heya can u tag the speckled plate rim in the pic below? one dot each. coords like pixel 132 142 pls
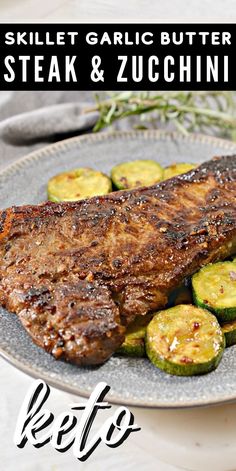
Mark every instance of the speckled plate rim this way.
pixel 116 135
pixel 112 399
pixel 61 146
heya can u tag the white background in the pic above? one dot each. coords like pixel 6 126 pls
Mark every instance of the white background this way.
pixel 113 10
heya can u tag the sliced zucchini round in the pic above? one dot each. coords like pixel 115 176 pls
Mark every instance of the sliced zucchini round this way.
pixel 177 169
pixel 134 344
pixel 135 174
pixel 185 340
pixel 214 288
pixel 229 331
pixel 132 347
pixel 78 184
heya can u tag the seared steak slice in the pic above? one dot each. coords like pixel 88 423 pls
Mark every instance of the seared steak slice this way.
pixel 77 273
pixel 76 320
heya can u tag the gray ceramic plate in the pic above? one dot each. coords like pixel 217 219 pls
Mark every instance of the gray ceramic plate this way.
pixel 132 381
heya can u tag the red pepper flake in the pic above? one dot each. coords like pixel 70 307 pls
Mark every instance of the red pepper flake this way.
pixel 124 181
pixel 186 360
pixel 196 325
pixel 232 275
pixel 221 290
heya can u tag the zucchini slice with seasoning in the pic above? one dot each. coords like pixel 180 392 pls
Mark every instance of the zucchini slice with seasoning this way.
pixel 177 169
pixel 214 288
pixel 229 331
pixel 78 184
pixel 185 340
pixel 136 173
pixel 134 344
pixel 132 347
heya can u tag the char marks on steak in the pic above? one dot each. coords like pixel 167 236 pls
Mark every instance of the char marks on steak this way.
pixel 77 273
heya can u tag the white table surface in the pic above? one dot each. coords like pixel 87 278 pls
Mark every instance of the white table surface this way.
pixel 195 439
pixel 169 440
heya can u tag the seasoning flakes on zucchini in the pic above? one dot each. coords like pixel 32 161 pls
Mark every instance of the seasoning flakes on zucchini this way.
pixel 214 288
pixel 185 340
pixel 136 174
pixel 177 169
pixel 78 184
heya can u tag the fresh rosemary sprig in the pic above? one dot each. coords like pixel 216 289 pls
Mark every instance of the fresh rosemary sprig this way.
pixel 188 111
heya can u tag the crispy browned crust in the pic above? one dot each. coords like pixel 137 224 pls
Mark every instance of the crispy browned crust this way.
pixel 77 272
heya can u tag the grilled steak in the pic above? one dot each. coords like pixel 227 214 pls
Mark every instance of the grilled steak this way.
pixel 77 273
